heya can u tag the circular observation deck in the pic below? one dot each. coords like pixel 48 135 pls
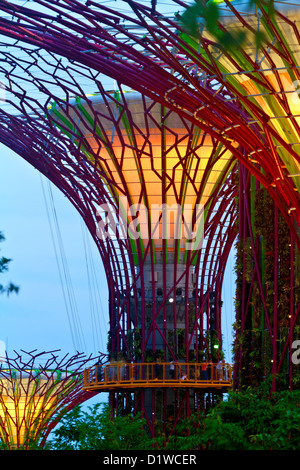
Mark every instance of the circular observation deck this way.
pixel 117 375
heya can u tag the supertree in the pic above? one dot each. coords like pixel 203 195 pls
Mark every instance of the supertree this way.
pixel 267 291
pixel 61 51
pixel 165 291
pixel 37 390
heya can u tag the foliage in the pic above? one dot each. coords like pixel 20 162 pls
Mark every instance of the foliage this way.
pixel 4 262
pixel 96 430
pixel 208 12
pixel 246 420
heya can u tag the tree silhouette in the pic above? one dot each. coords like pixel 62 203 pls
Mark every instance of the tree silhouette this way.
pixel 4 262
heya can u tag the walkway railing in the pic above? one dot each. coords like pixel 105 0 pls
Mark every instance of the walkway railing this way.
pixel 158 374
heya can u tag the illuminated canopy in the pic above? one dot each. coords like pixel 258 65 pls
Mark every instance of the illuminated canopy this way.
pixel 150 158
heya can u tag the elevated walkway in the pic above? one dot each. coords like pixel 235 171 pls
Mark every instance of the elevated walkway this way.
pixel 117 375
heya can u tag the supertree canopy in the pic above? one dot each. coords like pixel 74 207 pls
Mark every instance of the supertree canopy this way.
pixel 37 390
pixel 199 78
pixel 199 101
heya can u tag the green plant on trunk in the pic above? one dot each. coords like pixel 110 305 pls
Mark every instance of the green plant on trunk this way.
pixel 4 262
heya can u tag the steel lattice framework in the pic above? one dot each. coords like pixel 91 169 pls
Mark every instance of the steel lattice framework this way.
pixel 97 147
pixel 245 105
pixel 224 106
pixel 37 390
